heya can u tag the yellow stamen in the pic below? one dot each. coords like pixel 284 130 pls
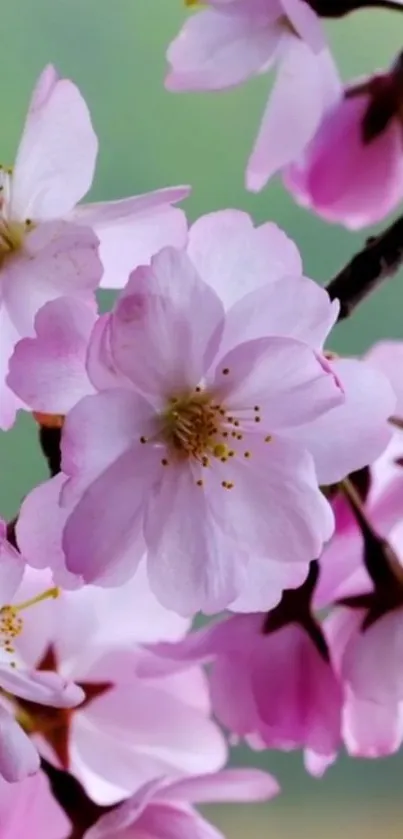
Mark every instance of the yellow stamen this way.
pixel 49 593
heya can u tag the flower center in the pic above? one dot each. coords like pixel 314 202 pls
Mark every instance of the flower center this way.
pixel 11 622
pixel 12 233
pixel 195 426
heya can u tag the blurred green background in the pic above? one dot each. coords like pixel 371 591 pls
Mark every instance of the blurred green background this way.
pixel 114 50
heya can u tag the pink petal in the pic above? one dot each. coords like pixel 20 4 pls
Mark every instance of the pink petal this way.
pixel 100 429
pixel 272 310
pixel 132 230
pixel 228 785
pixel 107 549
pixel 264 583
pixel 60 259
pixel 31 802
pixel 306 85
pixel 306 22
pixel 192 565
pixel 215 50
pixel 9 402
pixel 57 152
pixel 18 755
pixel 45 688
pixel 289 382
pixel 157 314
pixel 235 258
pixel 275 508
pixel 353 434
pixel 40 527
pixel 11 567
pixel 332 178
pixel 387 356
pixel 48 371
pixel 370 663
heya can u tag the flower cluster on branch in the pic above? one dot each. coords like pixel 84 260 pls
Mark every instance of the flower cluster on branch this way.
pixel 207 453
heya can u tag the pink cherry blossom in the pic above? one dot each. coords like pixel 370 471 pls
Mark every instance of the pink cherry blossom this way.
pixel 228 42
pixel 30 802
pixel 54 169
pixel 195 436
pixel 360 134
pixel 18 756
pixel 164 809
pixel 274 687
pixel 47 246
pixel 130 728
pixel 256 272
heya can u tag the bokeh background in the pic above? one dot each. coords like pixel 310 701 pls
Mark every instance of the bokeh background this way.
pixel 114 50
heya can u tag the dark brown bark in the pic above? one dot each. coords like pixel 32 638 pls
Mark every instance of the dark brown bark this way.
pixel 379 260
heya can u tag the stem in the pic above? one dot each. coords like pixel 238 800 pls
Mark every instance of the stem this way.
pixel 339 8
pixel 380 259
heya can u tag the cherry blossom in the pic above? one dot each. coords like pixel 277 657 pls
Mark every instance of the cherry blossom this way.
pixel 164 809
pixel 232 40
pixel 118 738
pixel 18 756
pixel 360 133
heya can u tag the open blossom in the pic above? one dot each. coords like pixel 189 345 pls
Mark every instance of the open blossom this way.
pixel 48 246
pixel 352 170
pixel 130 728
pixel 30 802
pixel 18 756
pixel 232 40
pixel 203 402
pixel 165 809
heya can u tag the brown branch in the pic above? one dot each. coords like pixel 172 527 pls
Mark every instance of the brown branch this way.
pixel 73 799
pixel 379 260
pixel 339 8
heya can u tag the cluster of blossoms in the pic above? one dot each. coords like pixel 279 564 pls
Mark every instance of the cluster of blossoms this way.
pixel 207 455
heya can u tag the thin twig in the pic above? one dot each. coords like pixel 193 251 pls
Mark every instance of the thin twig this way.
pixel 380 259
pixel 339 8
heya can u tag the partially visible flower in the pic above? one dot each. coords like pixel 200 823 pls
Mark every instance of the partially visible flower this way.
pixel 30 805
pixel 130 728
pixel 48 246
pixel 164 809
pixel 352 170
pixel 232 40
pixel 18 756
pixel 271 679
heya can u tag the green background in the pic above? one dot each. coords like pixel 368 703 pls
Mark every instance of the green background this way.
pixel 114 50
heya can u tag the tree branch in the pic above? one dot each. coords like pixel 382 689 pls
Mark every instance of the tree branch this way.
pixel 380 259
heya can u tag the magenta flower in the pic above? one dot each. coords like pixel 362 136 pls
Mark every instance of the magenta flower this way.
pixel 31 802
pixel 18 756
pixel 130 729
pixel 352 170
pixel 232 40
pixel 164 808
pixel 271 679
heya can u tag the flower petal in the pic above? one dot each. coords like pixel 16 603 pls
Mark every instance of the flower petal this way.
pixel 57 152
pixel 235 258
pixel 289 382
pixel 216 50
pixel 18 755
pixel 59 259
pixel 156 339
pixel 48 371
pixel 354 433
pixel 307 83
pixel 44 688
